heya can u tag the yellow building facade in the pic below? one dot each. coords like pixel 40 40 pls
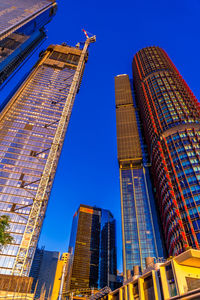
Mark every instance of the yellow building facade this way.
pixel 178 278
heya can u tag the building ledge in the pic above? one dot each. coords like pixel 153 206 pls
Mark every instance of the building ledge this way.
pixel 190 258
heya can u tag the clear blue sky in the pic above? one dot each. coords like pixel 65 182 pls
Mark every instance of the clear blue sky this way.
pixel 88 171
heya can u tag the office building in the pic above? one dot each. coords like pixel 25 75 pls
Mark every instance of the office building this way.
pixel 43 271
pixel 140 229
pixel 171 118
pixel 93 249
pixel 33 126
pixel 21 30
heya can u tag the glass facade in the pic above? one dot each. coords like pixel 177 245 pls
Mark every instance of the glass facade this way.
pixel 16 45
pixel 171 117
pixel 140 229
pixel 138 224
pixel 93 249
pixel 107 251
pixel 43 271
pixel 28 126
pixel 16 13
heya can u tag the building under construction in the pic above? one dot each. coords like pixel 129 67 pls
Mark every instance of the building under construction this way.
pixel 33 127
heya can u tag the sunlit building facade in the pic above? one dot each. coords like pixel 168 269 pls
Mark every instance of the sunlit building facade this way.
pixel 21 30
pixel 66 258
pixel 32 131
pixel 171 118
pixel 93 249
pixel 140 229
pixel 176 278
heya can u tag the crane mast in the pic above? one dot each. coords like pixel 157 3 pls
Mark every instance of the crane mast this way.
pixel 31 234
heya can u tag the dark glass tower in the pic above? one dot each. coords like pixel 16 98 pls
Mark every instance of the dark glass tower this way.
pixel 93 249
pixel 171 118
pixel 21 30
pixel 140 230
pixel 32 132
pixel 43 271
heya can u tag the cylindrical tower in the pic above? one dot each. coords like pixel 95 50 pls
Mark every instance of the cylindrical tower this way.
pixel 171 117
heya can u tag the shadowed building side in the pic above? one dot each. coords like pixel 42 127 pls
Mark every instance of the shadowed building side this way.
pixel 43 270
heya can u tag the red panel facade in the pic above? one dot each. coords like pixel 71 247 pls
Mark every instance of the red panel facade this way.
pixel 171 118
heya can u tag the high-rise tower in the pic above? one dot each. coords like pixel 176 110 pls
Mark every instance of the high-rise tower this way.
pixel 93 249
pixel 140 230
pixel 33 126
pixel 43 271
pixel 171 118
pixel 21 30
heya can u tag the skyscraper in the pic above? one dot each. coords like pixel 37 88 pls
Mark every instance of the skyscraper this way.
pixel 49 274
pixel 140 230
pixel 33 126
pixel 43 271
pixel 21 30
pixel 171 118
pixel 93 249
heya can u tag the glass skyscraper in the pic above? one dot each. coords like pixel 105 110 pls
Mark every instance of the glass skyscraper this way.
pixel 140 229
pixel 43 271
pixel 32 131
pixel 171 117
pixel 93 249
pixel 21 30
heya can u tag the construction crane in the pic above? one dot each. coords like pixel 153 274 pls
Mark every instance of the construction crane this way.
pixel 31 234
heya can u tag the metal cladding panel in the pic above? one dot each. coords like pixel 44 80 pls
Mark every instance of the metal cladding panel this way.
pixel 123 94
pixel 128 142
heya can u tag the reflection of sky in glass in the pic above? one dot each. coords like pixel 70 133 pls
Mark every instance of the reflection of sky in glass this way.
pixel 138 230
pixel 93 241
pixel 107 250
pixel 17 45
pixel 26 134
pixel 15 11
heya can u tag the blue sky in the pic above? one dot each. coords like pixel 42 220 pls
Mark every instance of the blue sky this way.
pixel 88 171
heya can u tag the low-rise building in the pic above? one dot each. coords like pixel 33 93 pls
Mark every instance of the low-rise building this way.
pixel 177 278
